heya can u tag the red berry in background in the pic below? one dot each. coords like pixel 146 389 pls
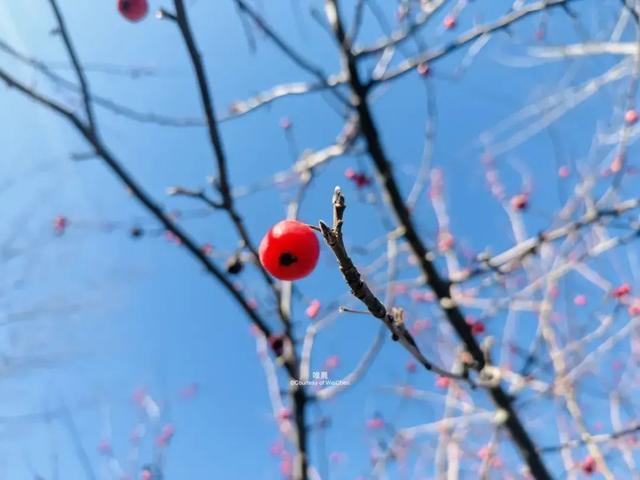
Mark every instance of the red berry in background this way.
pixel 617 163
pixel 622 290
pixel 449 22
pixel 133 10
pixel 375 423
pixel 589 465
pixel 443 382
pixel 411 366
pixel 285 123
pixel 350 173
pixel 313 309
pixel 631 117
pixel 104 447
pixel 207 249
pixel 290 250
pixel 424 69
pixel 60 224
pixel 519 202
pixel 580 300
pixel 332 362
pixel 634 308
pixel 564 171
pixel 445 241
pixel 478 328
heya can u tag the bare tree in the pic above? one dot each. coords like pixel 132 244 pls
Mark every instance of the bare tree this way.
pixel 530 382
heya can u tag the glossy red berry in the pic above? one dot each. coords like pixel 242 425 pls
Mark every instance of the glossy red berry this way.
pixel 133 10
pixel 290 250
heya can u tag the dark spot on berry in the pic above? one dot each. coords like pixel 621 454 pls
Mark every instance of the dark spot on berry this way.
pixel 287 259
pixel 125 4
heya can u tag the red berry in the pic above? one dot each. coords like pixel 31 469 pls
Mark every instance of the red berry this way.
pixel 104 447
pixel 290 250
pixel 361 180
pixel 589 465
pixel 313 309
pixel 617 163
pixel 445 241
pixel 449 22
pixel 424 69
pixel 631 117
pixel 580 300
pixel 375 423
pixel 207 249
pixel 477 326
pixel 60 224
pixel 350 173
pixel 564 171
pixel 284 414
pixel 332 362
pixel 520 202
pixel 189 391
pixel 285 123
pixel 622 290
pixel 133 10
pixel 443 382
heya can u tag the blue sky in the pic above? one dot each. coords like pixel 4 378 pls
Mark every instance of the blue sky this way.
pixel 143 314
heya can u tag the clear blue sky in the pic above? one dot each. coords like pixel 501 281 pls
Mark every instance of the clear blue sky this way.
pixel 144 315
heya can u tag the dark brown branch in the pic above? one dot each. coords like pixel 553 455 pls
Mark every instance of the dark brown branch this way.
pixel 297 393
pixel 84 86
pixel 393 321
pixel 139 193
pixel 440 286
pixel 108 104
pixel 223 183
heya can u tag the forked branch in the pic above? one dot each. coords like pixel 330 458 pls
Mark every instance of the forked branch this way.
pixel 393 320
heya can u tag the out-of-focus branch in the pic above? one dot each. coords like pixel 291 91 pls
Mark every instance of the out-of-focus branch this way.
pixel 278 92
pixel 405 33
pixel 106 103
pixel 508 260
pixel 472 35
pixel 286 48
pixel 140 194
